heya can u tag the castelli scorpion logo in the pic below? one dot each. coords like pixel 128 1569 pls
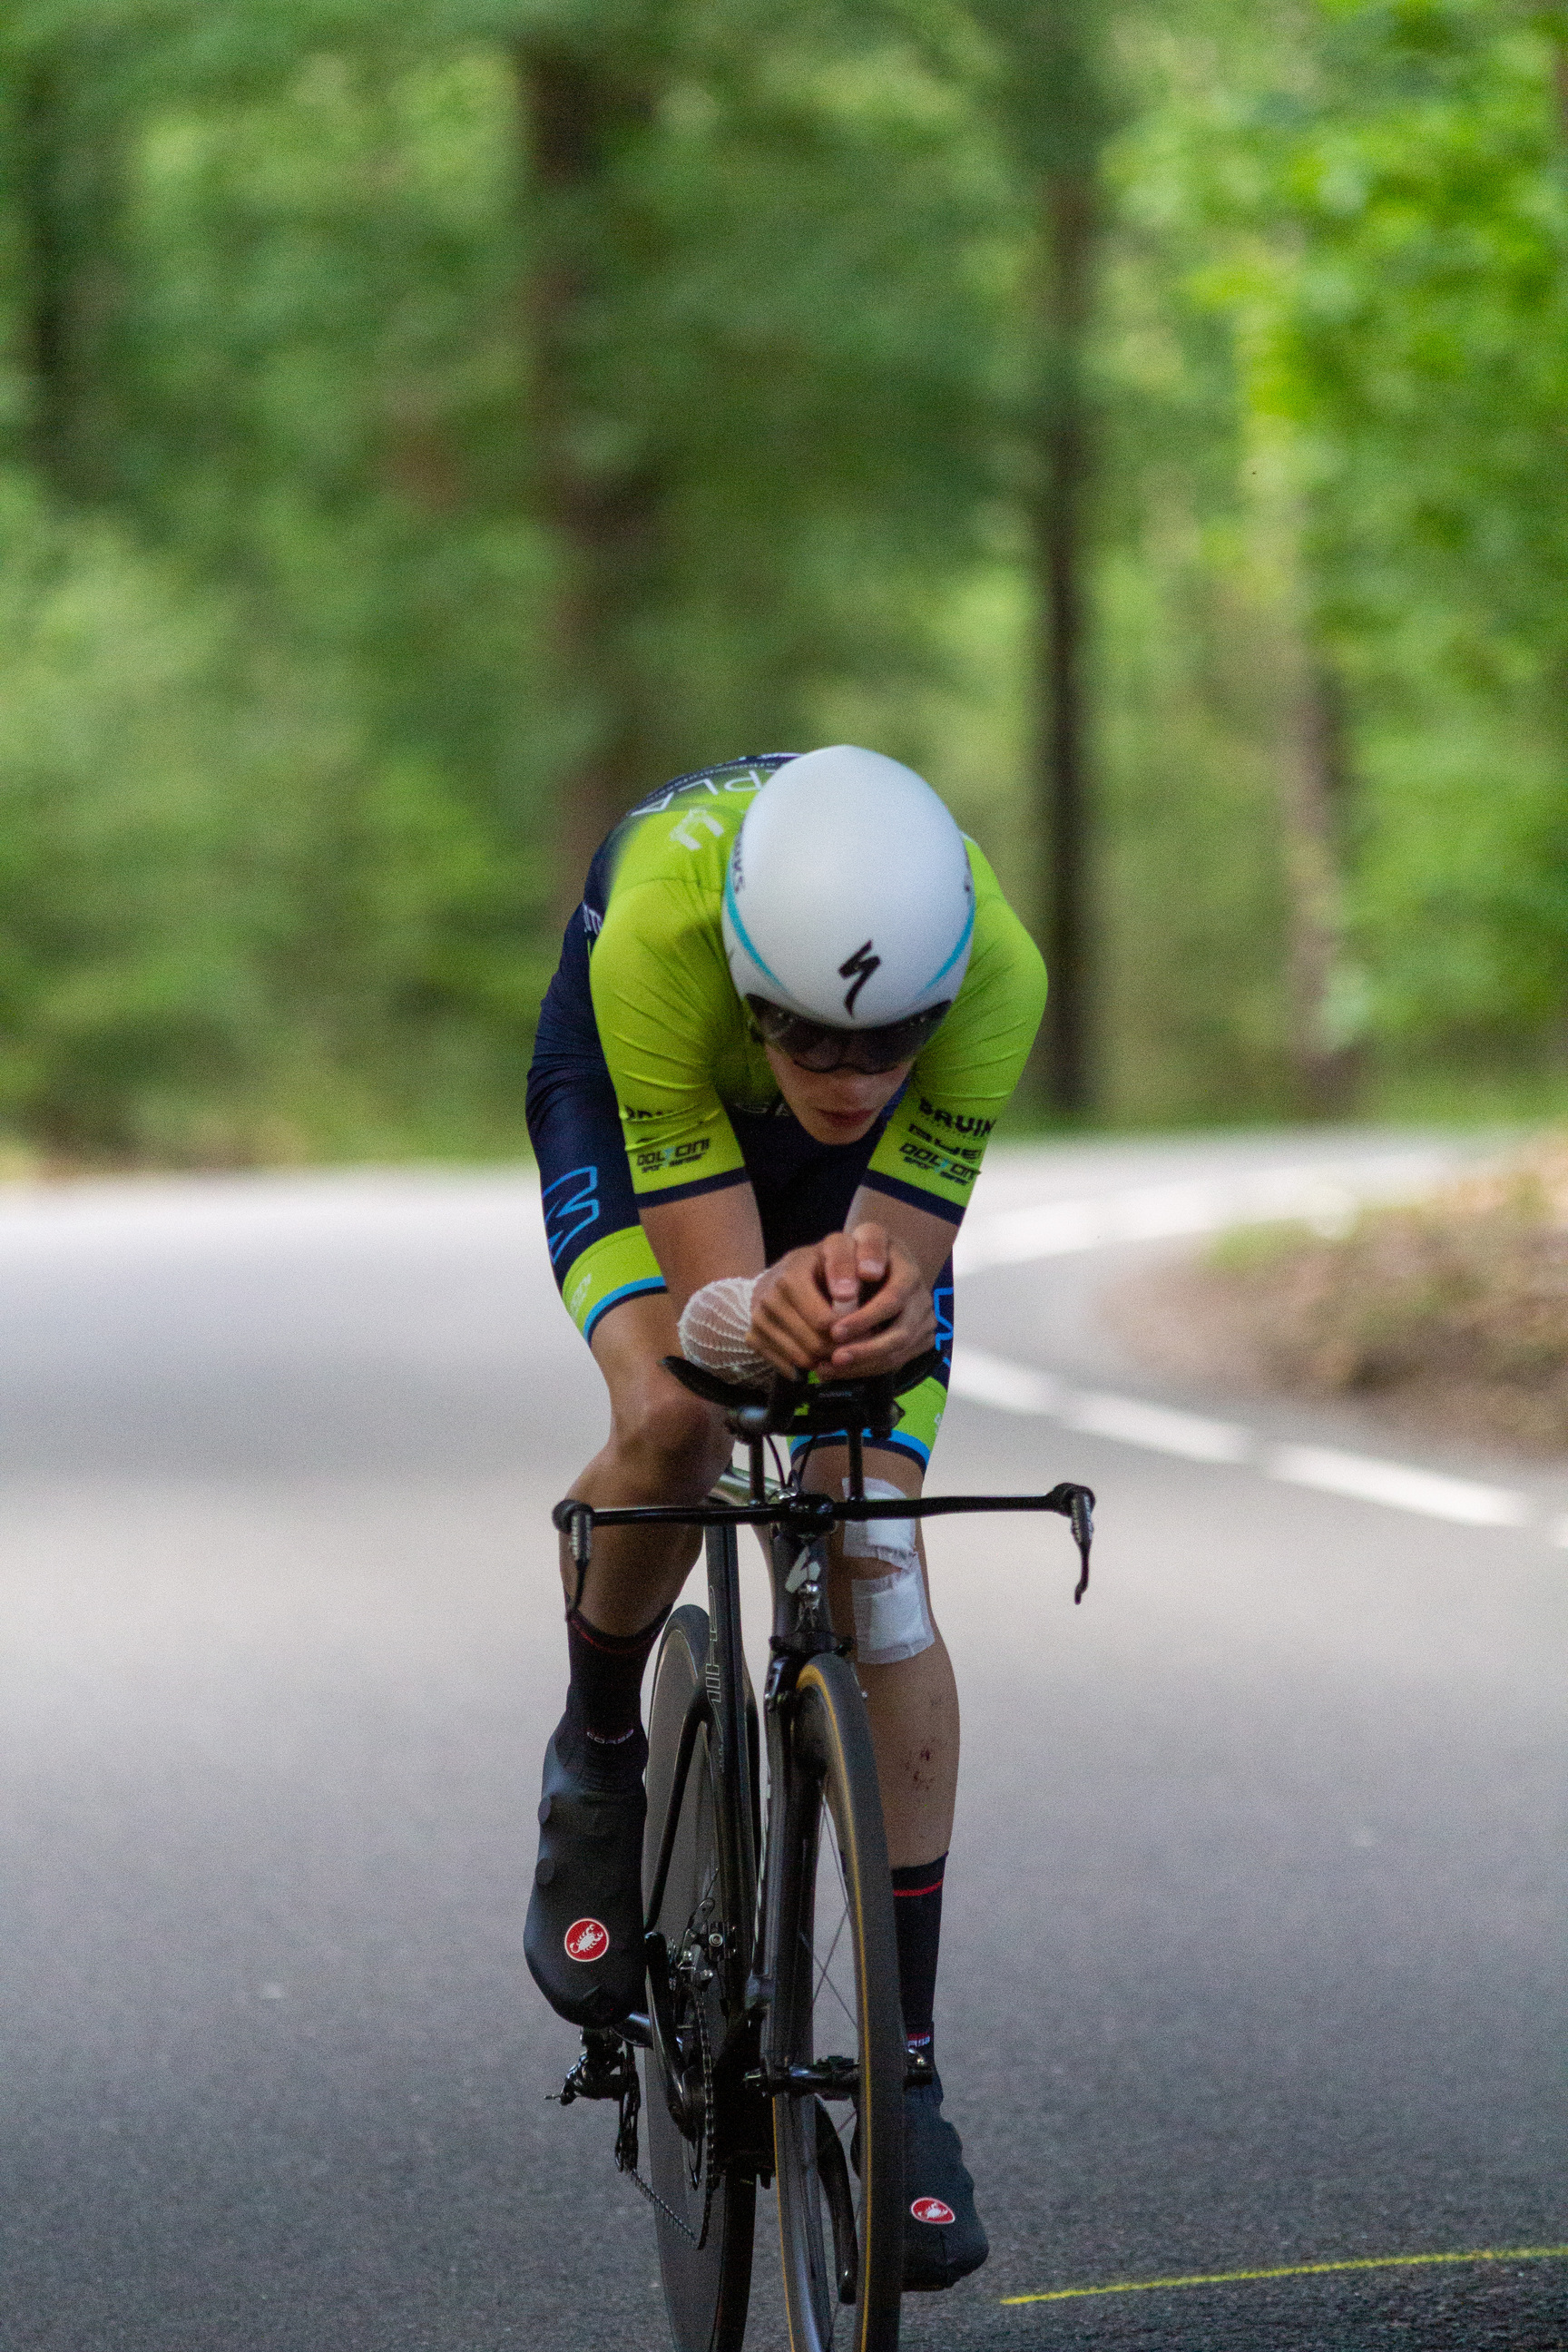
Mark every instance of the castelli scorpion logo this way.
pixel 587 1939
pixel 931 2209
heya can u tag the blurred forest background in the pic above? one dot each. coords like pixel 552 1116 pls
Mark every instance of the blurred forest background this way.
pixel 424 429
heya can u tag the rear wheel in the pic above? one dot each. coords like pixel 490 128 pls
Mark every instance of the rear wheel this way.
pixel 706 2215
pixel 838 2137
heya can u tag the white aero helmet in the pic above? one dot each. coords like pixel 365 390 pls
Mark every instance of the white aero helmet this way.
pixel 848 907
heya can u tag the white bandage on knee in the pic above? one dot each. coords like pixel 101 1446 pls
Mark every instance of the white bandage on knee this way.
pixel 893 1620
pixel 716 1330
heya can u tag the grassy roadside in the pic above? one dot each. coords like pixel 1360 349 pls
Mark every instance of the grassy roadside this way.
pixel 1450 1315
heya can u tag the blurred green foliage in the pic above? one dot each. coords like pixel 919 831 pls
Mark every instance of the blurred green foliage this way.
pixel 291 718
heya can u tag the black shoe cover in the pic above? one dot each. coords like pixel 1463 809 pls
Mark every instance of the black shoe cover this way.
pixel 944 2238
pixel 584 1933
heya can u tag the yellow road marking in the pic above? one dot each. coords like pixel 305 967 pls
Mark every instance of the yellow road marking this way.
pixel 1299 2270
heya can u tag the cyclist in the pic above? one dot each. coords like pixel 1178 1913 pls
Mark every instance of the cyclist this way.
pixel 787 1014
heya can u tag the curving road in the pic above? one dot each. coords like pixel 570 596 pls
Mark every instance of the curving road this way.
pixel 1256 1920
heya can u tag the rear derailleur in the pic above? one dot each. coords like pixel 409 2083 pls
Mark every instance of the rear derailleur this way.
pixel 607 2069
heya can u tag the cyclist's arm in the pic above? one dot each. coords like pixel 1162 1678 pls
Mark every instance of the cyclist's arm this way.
pixel 932 1148
pixel 918 1184
pixel 808 1312
pixel 666 1011
pixel 811 1299
pixel 890 1255
pixel 697 1241
pixel 926 1239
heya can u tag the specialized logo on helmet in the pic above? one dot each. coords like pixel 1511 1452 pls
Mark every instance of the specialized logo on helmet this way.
pixel 931 2209
pixel 587 1939
pixel 862 963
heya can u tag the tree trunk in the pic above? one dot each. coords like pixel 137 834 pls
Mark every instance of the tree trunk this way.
pixel 69 181
pixel 1312 783
pixel 1300 707
pixel 1553 22
pixel 1062 462
pixel 604 511
pixel 1054 101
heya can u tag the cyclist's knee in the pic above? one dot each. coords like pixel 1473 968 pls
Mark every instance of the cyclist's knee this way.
pixel 669 1440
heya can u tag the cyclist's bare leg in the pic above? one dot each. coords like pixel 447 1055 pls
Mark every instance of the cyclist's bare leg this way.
pixel 913 1706
pixel 664 1447
pixel 583 1937
pixel 913 1712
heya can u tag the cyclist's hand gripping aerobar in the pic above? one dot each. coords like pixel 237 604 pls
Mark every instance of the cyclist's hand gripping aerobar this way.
pixel 854 1302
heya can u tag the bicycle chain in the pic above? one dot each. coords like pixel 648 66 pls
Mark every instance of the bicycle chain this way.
pixel 625 2158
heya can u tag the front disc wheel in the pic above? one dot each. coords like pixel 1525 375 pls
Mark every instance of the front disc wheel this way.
pixel 705 2217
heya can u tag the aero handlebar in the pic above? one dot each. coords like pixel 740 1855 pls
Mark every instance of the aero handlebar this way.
pixel 851 1410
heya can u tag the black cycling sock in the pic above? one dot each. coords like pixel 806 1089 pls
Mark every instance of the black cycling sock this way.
pixel 607 1692
pixel 916 1920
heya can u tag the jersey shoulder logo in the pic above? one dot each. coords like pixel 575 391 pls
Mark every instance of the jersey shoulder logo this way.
pixel 685 833
pixel 858 969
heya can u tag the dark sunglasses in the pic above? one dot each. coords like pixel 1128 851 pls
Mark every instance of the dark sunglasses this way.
pixel 817 1047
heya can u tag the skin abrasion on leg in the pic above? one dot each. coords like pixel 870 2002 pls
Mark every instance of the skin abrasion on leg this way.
pixel 893 1625
pixel 905 1673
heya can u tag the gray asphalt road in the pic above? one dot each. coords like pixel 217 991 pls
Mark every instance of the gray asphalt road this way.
pixel 1255 1917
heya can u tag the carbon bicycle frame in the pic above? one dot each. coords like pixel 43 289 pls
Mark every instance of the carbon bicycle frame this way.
pixel 799 1522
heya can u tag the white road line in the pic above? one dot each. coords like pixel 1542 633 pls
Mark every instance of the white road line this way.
pixel 1011 1388
pixel 990 1380
pixel 1327 1194
pixel 1157 1427
pixel 1399 1484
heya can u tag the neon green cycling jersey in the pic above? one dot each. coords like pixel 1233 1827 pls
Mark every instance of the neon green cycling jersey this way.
pixel 681 1047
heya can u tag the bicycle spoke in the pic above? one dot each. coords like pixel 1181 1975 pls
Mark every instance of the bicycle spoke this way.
pixel 844 2005
pixel 822 1977
pixel 826 1960
pixel 822 1963
pixel 843 1890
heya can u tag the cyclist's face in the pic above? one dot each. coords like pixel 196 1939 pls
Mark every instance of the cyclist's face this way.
pixel 835 1105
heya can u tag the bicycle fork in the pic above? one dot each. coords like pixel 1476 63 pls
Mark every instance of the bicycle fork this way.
pixel 799 1632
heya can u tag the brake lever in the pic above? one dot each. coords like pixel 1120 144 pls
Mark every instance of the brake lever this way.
pixel 1076 1504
